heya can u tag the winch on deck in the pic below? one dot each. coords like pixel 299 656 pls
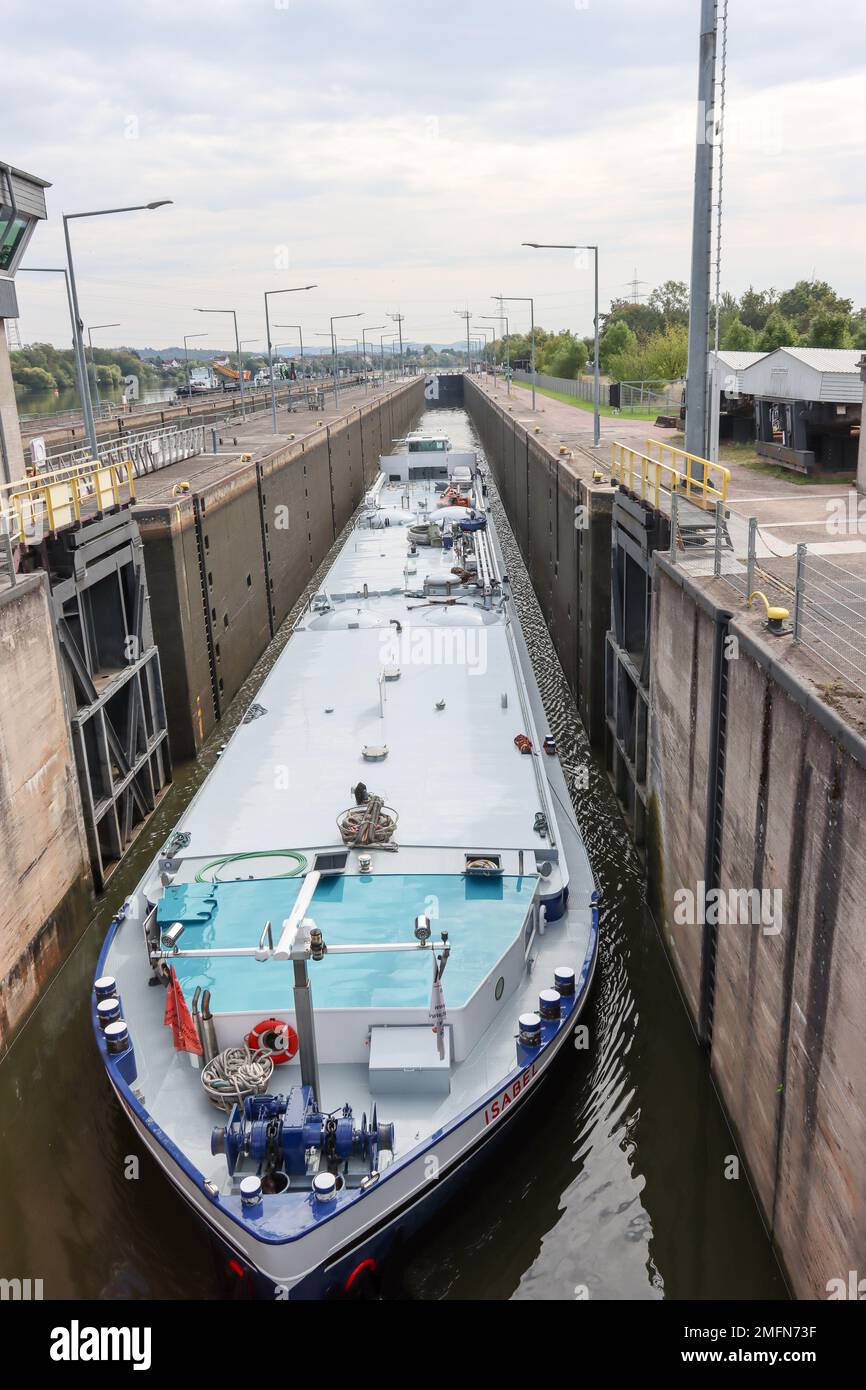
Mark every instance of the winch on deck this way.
pixel 288 1134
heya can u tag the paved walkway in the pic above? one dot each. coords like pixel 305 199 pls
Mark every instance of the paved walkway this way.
pixel 829 518
pixel 254 437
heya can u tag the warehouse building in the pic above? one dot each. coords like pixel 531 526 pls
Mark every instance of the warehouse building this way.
pixel 736 409
pixel 808 405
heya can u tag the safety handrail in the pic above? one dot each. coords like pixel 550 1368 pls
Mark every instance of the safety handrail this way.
pixel 60 498
pixel 700 481
pixel 694 469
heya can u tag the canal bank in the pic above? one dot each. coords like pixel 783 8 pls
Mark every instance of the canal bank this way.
pixel 736 774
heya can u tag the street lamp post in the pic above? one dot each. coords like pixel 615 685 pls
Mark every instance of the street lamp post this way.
pixel 186 341
pixel 237 350
pixel 465 314
pixel 496 318
pixel 503 318
pixel 292 289
pixel 77 321
pixel 382 337
pixel 398 319
pixel 525 299
pixel 482 328
pixel 300 333
pixel 596 393
pixel 244 342
pixel 357 343
pixel 364 333
pixel 334 318
pixel 61 270
pixel 90 332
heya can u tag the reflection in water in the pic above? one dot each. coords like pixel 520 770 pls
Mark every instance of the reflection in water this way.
pixel 613 1182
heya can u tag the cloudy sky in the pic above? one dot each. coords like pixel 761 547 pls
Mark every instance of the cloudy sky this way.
pixel 399 153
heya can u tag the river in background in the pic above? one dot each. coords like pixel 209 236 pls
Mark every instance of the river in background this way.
pixel 32 403
pixel 614 1181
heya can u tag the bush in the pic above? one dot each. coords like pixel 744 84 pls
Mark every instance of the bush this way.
pixel 33 378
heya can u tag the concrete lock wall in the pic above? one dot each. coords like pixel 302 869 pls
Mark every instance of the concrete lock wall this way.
pixel 225 565
pixel 44 873
pixel 561 520
pixel 788 1010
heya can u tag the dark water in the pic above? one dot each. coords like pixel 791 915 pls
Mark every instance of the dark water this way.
pixel 613 1183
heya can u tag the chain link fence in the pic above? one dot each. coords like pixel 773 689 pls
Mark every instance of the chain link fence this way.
pixel 660 397
pixel 582 387
pixel 830 615
pixel 825 601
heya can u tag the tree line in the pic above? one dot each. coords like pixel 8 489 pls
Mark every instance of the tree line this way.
pixel 649 341
pixel 43 367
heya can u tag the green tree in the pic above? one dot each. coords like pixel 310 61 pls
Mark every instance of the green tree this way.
pixel 617 340
pixel 739 337
pixel 829 330
pixel 33 378
pixel 858 329
pixel 756 307
pixel 641 319
pixel 807 299
pixel 671 301
pixel 564 356
pixel 778 332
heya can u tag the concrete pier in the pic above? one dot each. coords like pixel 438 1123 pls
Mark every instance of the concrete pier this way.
pixel 44 874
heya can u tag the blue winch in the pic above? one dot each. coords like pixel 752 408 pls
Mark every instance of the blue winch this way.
pixel 277 1132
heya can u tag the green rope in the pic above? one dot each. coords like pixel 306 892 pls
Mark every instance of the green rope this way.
pixel 217 864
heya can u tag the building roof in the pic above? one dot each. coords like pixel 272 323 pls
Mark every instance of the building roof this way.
pixel 22 174
pixel 827 359
pixel 737 361
pixel 831 375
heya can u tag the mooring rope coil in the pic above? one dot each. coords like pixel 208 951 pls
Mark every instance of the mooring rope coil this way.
pixel 235 1073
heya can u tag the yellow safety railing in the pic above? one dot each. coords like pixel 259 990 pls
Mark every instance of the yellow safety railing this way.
pixel 649 474
pixel 47 502
pixel 707 481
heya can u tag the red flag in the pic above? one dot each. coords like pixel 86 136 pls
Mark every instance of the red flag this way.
pixel 179 1019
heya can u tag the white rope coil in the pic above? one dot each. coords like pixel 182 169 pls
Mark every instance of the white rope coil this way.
pixel 235 1073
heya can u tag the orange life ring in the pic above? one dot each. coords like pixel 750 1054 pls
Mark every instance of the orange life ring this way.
pixel 275 1037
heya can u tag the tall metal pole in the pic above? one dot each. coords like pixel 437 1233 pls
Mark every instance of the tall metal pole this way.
pixel 525 299
pixel 398 319
pixel 78 322
pixel 334 317
pixel 90 332
pixel 596 396
pixel 78 328
pixel 364 332
pixel 532 330
pixel 291 289
pixel 271 366
pixel 93 365
pixel 240 367
pixel 186 338
pixel 596 399
pixel 699 308
pixel 61 270
pixel 466 315
pixel 297 328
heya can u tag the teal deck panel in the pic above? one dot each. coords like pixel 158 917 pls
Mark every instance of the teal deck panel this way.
pixel 482 917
